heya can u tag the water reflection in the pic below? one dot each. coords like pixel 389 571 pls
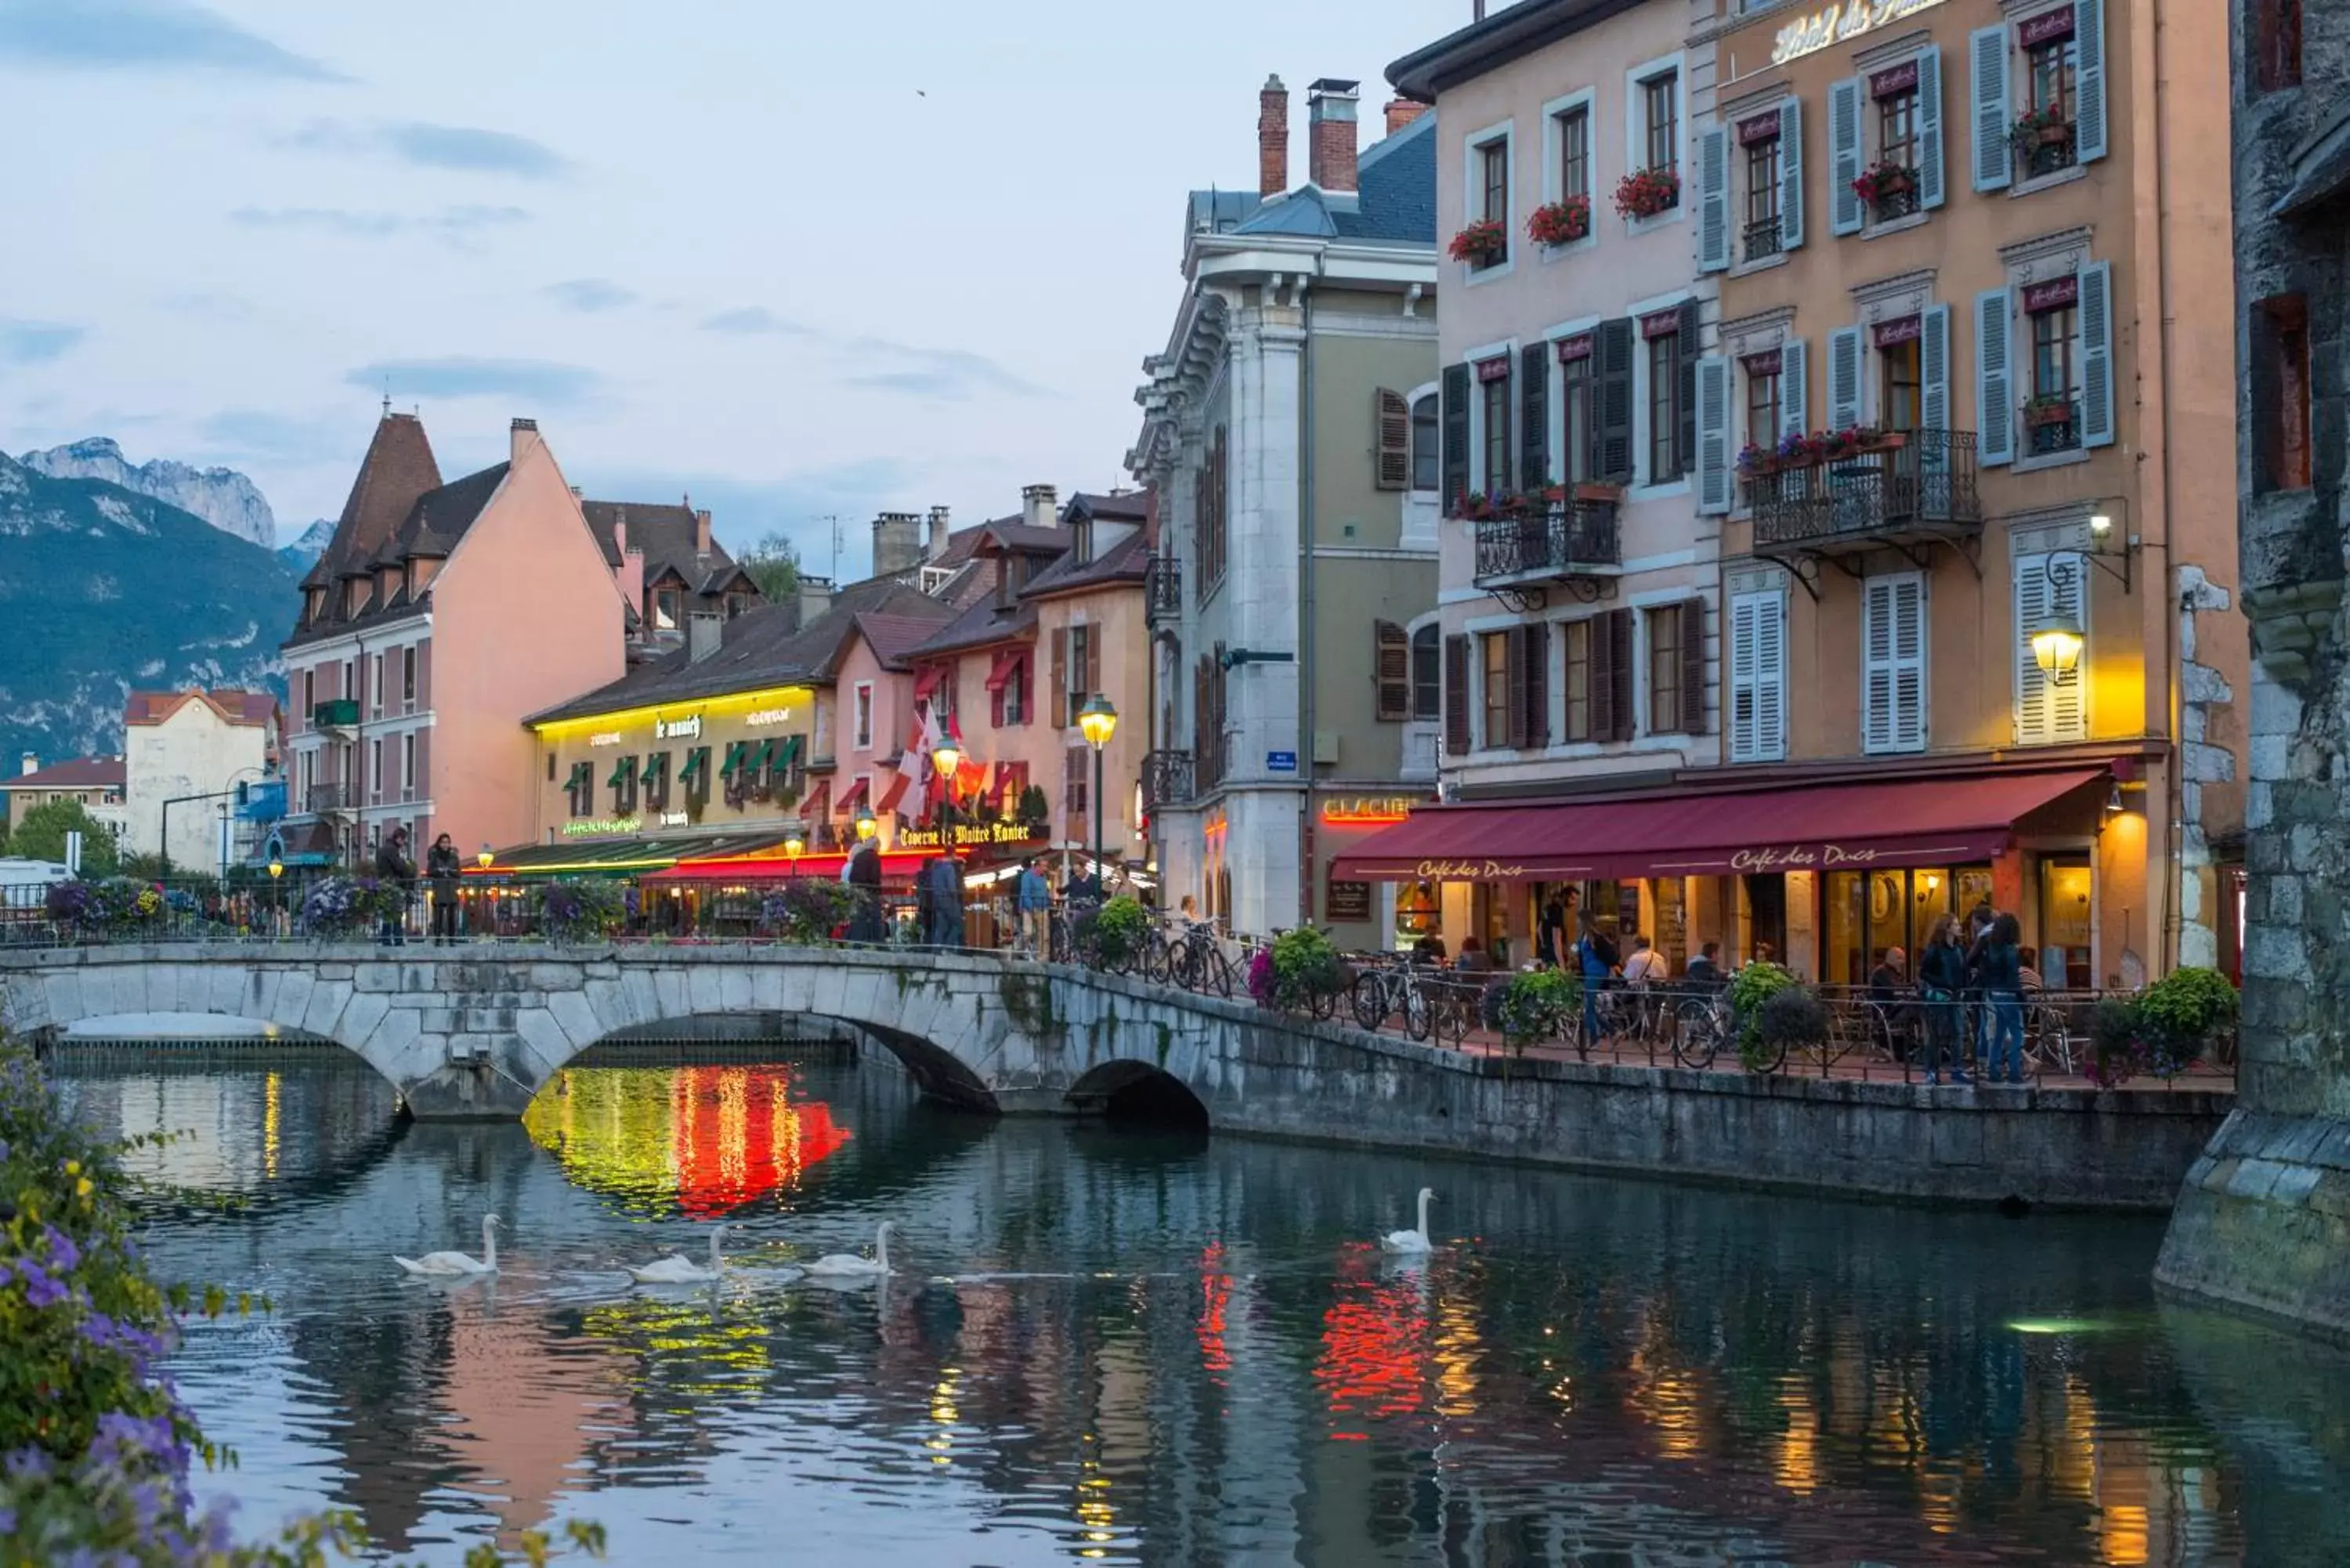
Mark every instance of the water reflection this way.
pixel 1113 1348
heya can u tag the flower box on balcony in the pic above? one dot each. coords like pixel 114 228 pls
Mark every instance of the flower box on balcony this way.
pixel 2041 128
pixel 2042 411
pixel 1560 223
pixel 1482 244
pixel 1645 193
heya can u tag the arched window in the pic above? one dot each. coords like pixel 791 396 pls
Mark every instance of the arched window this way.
pixel 1426 451
pixel 1426 668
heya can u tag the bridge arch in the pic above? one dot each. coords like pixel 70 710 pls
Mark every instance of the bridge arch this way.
pixel 1125 1089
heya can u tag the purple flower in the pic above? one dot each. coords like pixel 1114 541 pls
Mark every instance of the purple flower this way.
pixel 63 1256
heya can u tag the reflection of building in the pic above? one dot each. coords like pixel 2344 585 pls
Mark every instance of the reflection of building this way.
pixel 192 748
pixel 715 1138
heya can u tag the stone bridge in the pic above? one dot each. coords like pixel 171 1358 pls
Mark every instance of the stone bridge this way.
pixel 474 1032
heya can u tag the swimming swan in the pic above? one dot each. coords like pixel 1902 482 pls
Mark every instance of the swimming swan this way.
pixel 677 1270
pixel 850 1266
pixel 443 1265
pixel 1412 1240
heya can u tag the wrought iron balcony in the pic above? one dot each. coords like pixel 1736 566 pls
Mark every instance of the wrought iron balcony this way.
pixel 1162 589
pixel 1165 780
pixel 2046 149
pixel 1913 484
pixel 2052 423
pixel 329 799
pixel 1765 237
pixel 1576 537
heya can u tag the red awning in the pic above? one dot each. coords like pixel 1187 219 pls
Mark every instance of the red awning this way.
pixel 1006 663
pixel 1799 827
pixel 778 868
pixel 927 681
pixel 819 802
pixel 853 799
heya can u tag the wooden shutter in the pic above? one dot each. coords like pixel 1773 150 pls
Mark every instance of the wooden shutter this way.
pixel 2089 83
pixel 1093 681
pixel 1685 342
pixel 1622 668
pixel 1603 676
pixel 1994 380
pixel 1929 127
pixel 1893 663
pixel 1391 417
pixel 1391 658
pixel 1843 156
pixel 1514 722
pixel 1713 434
pixel 1060 678
pixel 1794 387
pixel 1693 667
pixel 2048 711
pixel 1456 696
pixel 1934 382
pixel 2097 354
pixel 1714 199
pixel 1534 708
pixel 1987 55
pixel 1533 416
pixel 1615 350
pixel 1791 175
pixel 1844 377
pixel 1738 706
pixel 1456 391
pixel 1771 679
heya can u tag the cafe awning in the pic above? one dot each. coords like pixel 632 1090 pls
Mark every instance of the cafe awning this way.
pixel 616 857
pixel 1007 661
pixel 1945 820
pixel 855 797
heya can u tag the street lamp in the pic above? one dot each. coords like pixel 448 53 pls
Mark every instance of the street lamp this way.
pixel 793 844
pixel 866 825
pixel 485 856
pixel 1098 721
pixel 946 757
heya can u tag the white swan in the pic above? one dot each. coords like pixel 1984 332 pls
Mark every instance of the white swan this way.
pixel 678 1269
pixel 443 1265
pixel 850 1266
pixel 1412 1240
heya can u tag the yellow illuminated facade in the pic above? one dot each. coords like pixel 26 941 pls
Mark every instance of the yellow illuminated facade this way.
pixel 734 762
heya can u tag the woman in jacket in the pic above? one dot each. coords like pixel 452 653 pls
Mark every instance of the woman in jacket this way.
pixel 441 869
pixel 1941 973
pixel 2003 982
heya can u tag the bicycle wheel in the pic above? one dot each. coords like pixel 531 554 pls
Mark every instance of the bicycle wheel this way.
pixel 1370 999
pixel 1322 1005
pixel 1216 972
pixel 1447 1017
pixel 1697 1036
pixel 1416 1011
pixel 1183 965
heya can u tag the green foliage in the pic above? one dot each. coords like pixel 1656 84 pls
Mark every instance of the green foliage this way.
pixel 580 910
pixel 41 835
pixel 773 563
pixel 1534 1004
pixel 807 910
pixel 1749 989
pixel 1791 1017
pixel 2164 1030
pixel 1119 931
pixel 1305 966
pixel 1032 808
pixel 2189 1006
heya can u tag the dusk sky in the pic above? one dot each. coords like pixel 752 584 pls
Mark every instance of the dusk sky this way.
pixel 795 258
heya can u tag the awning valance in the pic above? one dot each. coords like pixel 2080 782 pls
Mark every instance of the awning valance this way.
pixel 1007 661
pixel 853 798
pixel 1796 827
pixel 927 681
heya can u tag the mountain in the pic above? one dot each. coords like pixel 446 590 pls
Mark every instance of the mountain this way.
pixel 102 590
pixel 221 496
pixel 302 553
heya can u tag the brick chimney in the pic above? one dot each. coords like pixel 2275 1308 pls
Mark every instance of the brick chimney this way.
pixel 897 543
pixel 525 437
pixel 1273 139
pixel 1040 506
pixel 936 547
pixel 701 533
pixel 1401 112
pixel 1330 107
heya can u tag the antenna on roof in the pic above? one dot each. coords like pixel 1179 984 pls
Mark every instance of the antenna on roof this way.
pixel 387 396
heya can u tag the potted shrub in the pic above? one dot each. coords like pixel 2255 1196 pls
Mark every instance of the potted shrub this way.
pixel 1749 989
pixel 2180 1016
pixel 807 910
pixel 1791 1017
pixel 1307 973
pixel 1482 244
pixel 2116 1049
pixel 1114 934
pixel 572 909
pixel 1532 1005
pixel 1885 184
pixel 1560 223
pixel 1645 193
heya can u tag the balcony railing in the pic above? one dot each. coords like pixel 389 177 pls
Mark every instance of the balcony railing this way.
pixel 1765 237
pixel 1576 537
pixel 1924 484
pixel 2051 424
pixel 2047 150
pixel 325 799
pixel 1162 589
pixel 343 713
pixel 1165 780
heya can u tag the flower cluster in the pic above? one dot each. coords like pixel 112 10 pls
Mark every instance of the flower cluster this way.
pixel 115 904
pixel 1560 223
pixel 1645 193
pixel 1883 180
pixel 1799 448
pixel 1482 244
pixel 807 910
pixel 2031 125
pixel 347 905
pixel 571 909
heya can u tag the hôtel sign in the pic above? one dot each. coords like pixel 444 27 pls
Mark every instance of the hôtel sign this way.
pixel 1838 23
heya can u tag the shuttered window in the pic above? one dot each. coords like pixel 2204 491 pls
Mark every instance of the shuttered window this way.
pixel 1616 341
pixel 1392 416
pixel 1427 458
pixel 1456 696
pixel 1391 662
pixel 1893 663
pixel 1426 682
pixel 1456 386
pixel 1757 719
pixel 2048 710
pixel 1533 685
pixel 1575 646
pixel 1612 682
pixel 1060 678
pixel 1664 669
pixel 1494 666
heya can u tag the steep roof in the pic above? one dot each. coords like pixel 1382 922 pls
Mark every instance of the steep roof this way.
pixel 1395 203
pixel 79 773
pixel 667 536
pixel 431 526
pixel 247 708
pixel 440 517
pixel 892 636
pixel 1124 561
pixel 398 468
pixel 984 623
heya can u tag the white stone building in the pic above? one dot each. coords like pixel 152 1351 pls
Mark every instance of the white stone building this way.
pixel 192 749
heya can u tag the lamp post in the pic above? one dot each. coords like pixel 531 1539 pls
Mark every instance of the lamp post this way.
pixel 276 898
pixel 793 844
pixel 1099 720
pixel 866 825
pixel 2056 646
pixel 946 757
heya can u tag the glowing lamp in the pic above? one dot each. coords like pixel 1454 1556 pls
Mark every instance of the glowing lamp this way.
pixel 793 844
pixel 485 856
pixel 946 756
pixel 1099 720
pixel 276 868
pixel 2056 647
pixel 866 825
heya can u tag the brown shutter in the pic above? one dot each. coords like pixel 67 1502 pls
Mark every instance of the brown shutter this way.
pixel 1620 673
pixel 1456 696
pixel 1093 660
pixel 1513 720
pixel 1455 436
pixel 1060 678
pixel 1693 666
pixel 1392 416
pixel 1391 656
pixel 1534 712
pixel 1602 677
pixel 1533 416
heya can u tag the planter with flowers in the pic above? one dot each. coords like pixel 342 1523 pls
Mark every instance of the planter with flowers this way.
pixel 2164 1030
pixel 2048 409
pixel 1560 223
pixel 1799 448
pixel 2047 126
pixel 1889 189
pixel 1483 506
pixel 1645 193
pixel 1482 243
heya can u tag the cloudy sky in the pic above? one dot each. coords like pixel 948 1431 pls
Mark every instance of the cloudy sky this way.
pixel 798 258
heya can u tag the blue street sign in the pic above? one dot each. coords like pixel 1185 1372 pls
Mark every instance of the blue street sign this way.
pixel 1281 761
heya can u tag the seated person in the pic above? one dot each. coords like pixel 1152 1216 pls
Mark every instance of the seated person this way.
pixel 1705 969
pixel 1473 957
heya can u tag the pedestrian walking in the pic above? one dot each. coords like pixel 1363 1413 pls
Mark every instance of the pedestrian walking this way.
pixel 396 872
pixel 1034 895
pixel 1941 974
pixel 2002 983
pixel 943 882
pixel 441 865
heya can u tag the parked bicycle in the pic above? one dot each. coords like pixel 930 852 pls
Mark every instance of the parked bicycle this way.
pixel 1390 987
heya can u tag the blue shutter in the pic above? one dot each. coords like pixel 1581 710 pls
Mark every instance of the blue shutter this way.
pixel 1794 388
pixel 1934 389
pixel 1843 156
pixel 1713 434
pixel 1713 200
pixel 1790 173
pixel 1929 127
pixel 1987 47
pixel 1995 380
pixel 2097 354
pixel 1844 377
pixel 2089 38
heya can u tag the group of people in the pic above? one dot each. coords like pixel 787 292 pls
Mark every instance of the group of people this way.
pixel 1981 969
pixel 395 868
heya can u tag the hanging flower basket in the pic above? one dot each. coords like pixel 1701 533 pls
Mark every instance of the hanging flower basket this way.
pixel 1645 193
pixel 1560 223
pixel 1482 244
pixel 1883 185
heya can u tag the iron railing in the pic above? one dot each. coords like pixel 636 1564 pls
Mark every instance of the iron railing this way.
pixel 1162 589
pixel 1928 482
pixel 1765 237
pixel 2051 425
pixel 2039 157
pixel 1571 538
pixel 1165 780
pixel 325 798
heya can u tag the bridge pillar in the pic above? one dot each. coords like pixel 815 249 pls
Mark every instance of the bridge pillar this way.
pixel 467 1091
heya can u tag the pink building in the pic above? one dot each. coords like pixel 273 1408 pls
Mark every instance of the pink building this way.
pixel 437 618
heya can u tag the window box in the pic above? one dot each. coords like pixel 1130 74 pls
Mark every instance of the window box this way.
pixel 2045 141
pixel 2042 411
pixel 1482 243
pixel 1645 193
pixel 1818 448
pixel 1560 223
pixel 1889 189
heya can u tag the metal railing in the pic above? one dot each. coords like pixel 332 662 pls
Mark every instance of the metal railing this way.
pixel 2051 155
pixel 2051 425
pixel 1570 538
pixel 1765 237
pixel 1926 482
pixel 1162 589
pixel 322 799
pixel 342 713
pixel 1165 780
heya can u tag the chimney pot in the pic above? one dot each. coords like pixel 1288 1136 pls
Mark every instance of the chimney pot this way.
pixel 1401 112
pixel 937 546
pixel 1273 139
pixel 31 763
pixel 816 597
pixel 1330 108
pixel 705 632
pixel 524 436
pixel 701 533
pixel 1040 506
pixel 897 543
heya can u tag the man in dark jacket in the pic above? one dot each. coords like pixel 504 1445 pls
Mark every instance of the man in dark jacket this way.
pixel 396 872
pixel 865 881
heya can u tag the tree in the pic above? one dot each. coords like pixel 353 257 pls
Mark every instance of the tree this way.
pixel 773 563
pixel 42 836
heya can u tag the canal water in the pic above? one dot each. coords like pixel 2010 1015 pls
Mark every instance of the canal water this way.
pixel 1113 1345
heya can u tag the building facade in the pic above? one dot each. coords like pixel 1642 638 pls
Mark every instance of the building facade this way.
pixel 95 783
pixel 1297 544
pixel 193 749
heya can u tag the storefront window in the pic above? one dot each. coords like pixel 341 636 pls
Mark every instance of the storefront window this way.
pixel 2065 886
pixel 1418 913
pixel 1869 912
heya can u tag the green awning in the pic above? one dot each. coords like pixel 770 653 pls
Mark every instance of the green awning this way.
pixel 696 760
pixel 623 772
pixel 580 773
pixel 656 771
pixel 762 758
pixel 735 750
pixel 789 750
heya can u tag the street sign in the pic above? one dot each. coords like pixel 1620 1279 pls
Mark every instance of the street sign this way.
pixel 1281 761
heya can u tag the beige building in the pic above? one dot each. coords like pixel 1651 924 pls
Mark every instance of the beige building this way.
pixel 192 749
pixel 96 783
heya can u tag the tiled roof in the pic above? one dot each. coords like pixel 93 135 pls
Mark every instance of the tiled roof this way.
pixel 236 706
pixel 1395 203
pixel 892 636
pixel 81 773
pixel 984 623
pixel 1124 561
pixel 666 536
pixel 399 467
pixel 436 521
pixel 1124 506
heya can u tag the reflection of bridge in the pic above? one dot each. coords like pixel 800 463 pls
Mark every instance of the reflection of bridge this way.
pixel 473 1033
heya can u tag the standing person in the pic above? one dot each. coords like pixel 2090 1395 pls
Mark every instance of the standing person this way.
pixel 1550 933
pixel 2002 983
pixel 1597 958
pixel 396 872
pixel 863 874
pixel 1980 921
pixel 1941 974
pixel 440 868
pixel 942 886
pixel 1034 895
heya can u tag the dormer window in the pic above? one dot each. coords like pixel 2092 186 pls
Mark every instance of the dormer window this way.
pixel 1081 540
pixel 669 609
pixel 355 596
